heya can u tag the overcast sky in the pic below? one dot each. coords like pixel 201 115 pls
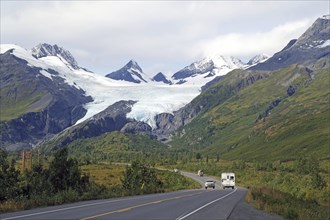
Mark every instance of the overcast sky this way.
pixel 160 35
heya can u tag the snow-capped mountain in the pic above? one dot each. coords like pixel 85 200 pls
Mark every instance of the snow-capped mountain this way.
pixel 260 58
pixel 36 99
pixel 44 50
pixel 131 72
pixel 310 46
pixel 50 92
pixel 160 77
pixel 71 96
pixel 201 72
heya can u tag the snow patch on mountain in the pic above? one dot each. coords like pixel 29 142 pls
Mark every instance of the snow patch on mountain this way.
pixel 260 58
pixel 326 17
pixel 151 98
pixel 201 72
pixel 44 50
pixel 131 72
pixel 324 44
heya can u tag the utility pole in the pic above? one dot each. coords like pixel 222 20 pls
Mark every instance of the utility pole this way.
pixel 26 160
pixel 23 161
pixel 38 157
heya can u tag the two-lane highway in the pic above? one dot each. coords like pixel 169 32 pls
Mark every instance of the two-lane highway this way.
pixel 186 204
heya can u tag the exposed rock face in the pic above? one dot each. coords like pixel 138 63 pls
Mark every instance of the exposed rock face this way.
pixel 131 72
pixel 167 124
pixel 205 70
pixel 160 77
pixel 111 119
pixel 43 50
pixel 249 81
pixel 212 82
pixel 271 106
pixel 291 90
pixel 137 127
pixel 196 68
pixel 309 47
pixel 290 44
pixel 43 109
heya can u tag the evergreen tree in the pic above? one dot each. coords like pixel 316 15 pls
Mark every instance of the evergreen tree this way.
pixel 9 178
pixel 64 173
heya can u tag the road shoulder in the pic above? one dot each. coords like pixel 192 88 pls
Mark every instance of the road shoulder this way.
pixel 243 210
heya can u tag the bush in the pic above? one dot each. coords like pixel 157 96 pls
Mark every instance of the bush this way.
pixel 140 179
pixel 290 214
pixel 9 178
pixel 287 205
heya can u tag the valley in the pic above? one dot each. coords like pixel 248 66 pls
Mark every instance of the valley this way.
pixel 267 120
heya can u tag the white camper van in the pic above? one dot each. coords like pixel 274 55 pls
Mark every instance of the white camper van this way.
pixel 228 180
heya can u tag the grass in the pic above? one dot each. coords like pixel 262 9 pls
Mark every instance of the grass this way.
pixel 12 107
pixel 175 181
pixel 286 205
pixel 104 174
pixel 112 146
pixel 274 187
pixel 111 175
pixel 298 126
pixel 106 182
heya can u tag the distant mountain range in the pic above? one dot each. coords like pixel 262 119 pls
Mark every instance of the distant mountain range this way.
pixel 275 110
pixel 197 73
pixel 46 95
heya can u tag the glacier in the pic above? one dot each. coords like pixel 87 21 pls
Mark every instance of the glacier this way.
pixel 152 98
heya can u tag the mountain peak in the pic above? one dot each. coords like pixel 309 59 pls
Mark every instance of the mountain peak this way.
pixel 160 77
pixel 316 34
pixel 258 59
pixel 312 45
pixel 230 62
pixel 132 64
pixel 44 50
pixel 131 72
pixel 201 72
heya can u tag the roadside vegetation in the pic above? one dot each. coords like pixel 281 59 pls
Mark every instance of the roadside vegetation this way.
pixel 64 180
pixel 298 189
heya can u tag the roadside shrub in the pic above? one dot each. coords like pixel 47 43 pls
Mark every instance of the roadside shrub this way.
pixel 290 214
pixel 287 205
pixel 140 179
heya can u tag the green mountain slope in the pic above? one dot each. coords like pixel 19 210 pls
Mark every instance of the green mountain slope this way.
pixel 115 146
pixel 20 92
pixel 282 116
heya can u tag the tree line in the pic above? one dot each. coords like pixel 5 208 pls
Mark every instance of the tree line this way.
pixel 63 174
pixel 62 181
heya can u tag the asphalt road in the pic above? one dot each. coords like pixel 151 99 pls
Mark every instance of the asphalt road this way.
pixel 187 204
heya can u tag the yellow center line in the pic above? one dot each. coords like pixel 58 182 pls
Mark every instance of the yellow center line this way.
pixel 138 206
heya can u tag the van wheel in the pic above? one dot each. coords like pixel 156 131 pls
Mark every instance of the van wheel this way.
pixel 205 187
pixel 233 187
pixel 213 187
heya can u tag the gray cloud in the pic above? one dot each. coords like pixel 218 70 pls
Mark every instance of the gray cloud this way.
pixel 161 35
